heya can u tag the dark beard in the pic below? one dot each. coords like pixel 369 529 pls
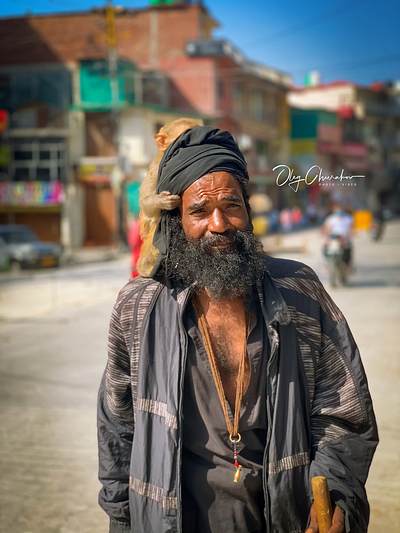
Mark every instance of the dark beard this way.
pixel 225 273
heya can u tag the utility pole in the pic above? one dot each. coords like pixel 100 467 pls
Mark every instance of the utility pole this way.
pixel 116 174
pixel 113 67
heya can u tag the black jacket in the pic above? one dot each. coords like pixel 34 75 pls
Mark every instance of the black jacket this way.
pixel 320 416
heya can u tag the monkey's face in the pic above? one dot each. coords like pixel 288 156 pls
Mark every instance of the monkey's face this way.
pixel 170 132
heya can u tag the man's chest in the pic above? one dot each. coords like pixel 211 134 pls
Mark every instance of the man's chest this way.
pixel 228 341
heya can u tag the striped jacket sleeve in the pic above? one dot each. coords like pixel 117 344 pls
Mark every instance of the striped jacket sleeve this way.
pixel 115 424
pixel 342 423
pixel 343 428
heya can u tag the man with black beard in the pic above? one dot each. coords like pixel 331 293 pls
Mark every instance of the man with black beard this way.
pixel 232 377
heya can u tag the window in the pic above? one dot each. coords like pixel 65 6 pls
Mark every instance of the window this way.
pixel 353 130
pixel 220 91
pixel 19 236
pixel 21 174
pixel 262 156
pixel 37 97
pixel 239 100
pixel 257 105
pixel 40 159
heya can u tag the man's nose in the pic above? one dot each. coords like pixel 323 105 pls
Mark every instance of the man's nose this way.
pixel 218 222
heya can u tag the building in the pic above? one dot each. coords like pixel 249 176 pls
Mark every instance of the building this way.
pixel 60 95
pixel 342 125
pixel 250 102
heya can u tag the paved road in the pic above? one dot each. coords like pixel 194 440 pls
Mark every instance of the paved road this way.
pixel 53 334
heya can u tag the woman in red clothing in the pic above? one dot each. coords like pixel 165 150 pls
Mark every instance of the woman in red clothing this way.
pixel 135 243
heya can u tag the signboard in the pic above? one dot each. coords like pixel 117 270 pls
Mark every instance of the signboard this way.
pixel 132 197
pixel 3 120
pixel 85 171
pixel 355 149
pixel 303 146
pixel 355 164
pixel 5 155
pixel 327 147
pixel 96 168
pixel 31 193
pixel 328 133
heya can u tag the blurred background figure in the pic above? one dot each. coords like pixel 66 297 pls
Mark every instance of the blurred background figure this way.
pixel 297 217
pixel 338 230
pixel 135 244
pixel 261 205
pixel 273 217
pixel 378 222
pixel 285 219
pixel 312 214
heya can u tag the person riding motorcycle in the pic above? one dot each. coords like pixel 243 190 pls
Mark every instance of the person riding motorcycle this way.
pixel 339 226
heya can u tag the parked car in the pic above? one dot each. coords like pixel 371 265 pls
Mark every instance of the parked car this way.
pixel 26 250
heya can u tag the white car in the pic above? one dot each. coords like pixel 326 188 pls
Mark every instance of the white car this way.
pixel 26 250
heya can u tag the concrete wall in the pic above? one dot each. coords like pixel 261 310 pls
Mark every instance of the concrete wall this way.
pixel 329 98
pixel 77 139
pixel 137 129
pixel 73 217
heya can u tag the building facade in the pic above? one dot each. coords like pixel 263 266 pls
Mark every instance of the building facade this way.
pixel 345 127
pixel 68 127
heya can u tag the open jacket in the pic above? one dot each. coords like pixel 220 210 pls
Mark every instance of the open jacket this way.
pixel 320 416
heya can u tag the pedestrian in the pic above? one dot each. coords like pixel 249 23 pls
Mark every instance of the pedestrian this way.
pixel 297 216
pixel 135 244
pixel 286 220
pixel 232 378
pixel 312 214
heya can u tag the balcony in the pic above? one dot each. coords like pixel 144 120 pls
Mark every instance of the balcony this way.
pixel 214 48
pixel 133 87
pixel 382 109
pixel 96 86
pixel 211 47
pixel 36 99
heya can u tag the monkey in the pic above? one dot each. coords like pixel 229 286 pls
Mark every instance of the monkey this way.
pixel 151 203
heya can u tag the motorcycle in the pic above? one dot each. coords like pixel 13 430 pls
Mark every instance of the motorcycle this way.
pixel 336 252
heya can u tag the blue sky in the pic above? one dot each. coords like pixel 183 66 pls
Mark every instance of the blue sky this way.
pixel 356 40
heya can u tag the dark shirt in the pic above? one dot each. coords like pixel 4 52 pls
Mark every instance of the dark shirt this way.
pixel 212 502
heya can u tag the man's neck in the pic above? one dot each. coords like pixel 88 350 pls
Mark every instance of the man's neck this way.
pixel 212 306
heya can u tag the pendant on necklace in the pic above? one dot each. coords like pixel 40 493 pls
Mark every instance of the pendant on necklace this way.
pixel 235 440
pixel 237 473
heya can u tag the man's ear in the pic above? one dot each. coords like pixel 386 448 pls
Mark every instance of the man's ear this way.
pixel 162 141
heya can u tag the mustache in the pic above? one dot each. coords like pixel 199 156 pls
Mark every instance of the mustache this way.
pixel 207 243
pixel 228 237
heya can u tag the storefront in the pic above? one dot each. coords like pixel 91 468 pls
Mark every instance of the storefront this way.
pixel 36 204
pixel 100 202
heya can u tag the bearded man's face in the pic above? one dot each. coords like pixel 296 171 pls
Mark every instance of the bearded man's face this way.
pixel 212 243
pixel 213 205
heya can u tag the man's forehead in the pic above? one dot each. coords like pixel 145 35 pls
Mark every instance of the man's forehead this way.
pixel 215 184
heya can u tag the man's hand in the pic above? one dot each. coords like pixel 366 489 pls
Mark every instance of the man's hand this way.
pixel 337 521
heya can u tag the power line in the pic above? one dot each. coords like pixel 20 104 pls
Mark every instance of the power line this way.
pixel 305 25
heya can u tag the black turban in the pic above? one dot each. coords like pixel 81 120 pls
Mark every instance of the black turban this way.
pixel 192 155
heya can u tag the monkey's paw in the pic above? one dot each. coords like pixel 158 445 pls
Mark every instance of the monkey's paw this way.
pixel 168 201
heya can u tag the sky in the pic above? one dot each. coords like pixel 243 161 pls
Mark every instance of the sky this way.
pixel 355 40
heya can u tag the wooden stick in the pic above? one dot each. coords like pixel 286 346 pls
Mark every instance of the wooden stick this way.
pixel 322 501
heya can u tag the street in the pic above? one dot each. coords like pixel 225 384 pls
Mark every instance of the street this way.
pixel 53 337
